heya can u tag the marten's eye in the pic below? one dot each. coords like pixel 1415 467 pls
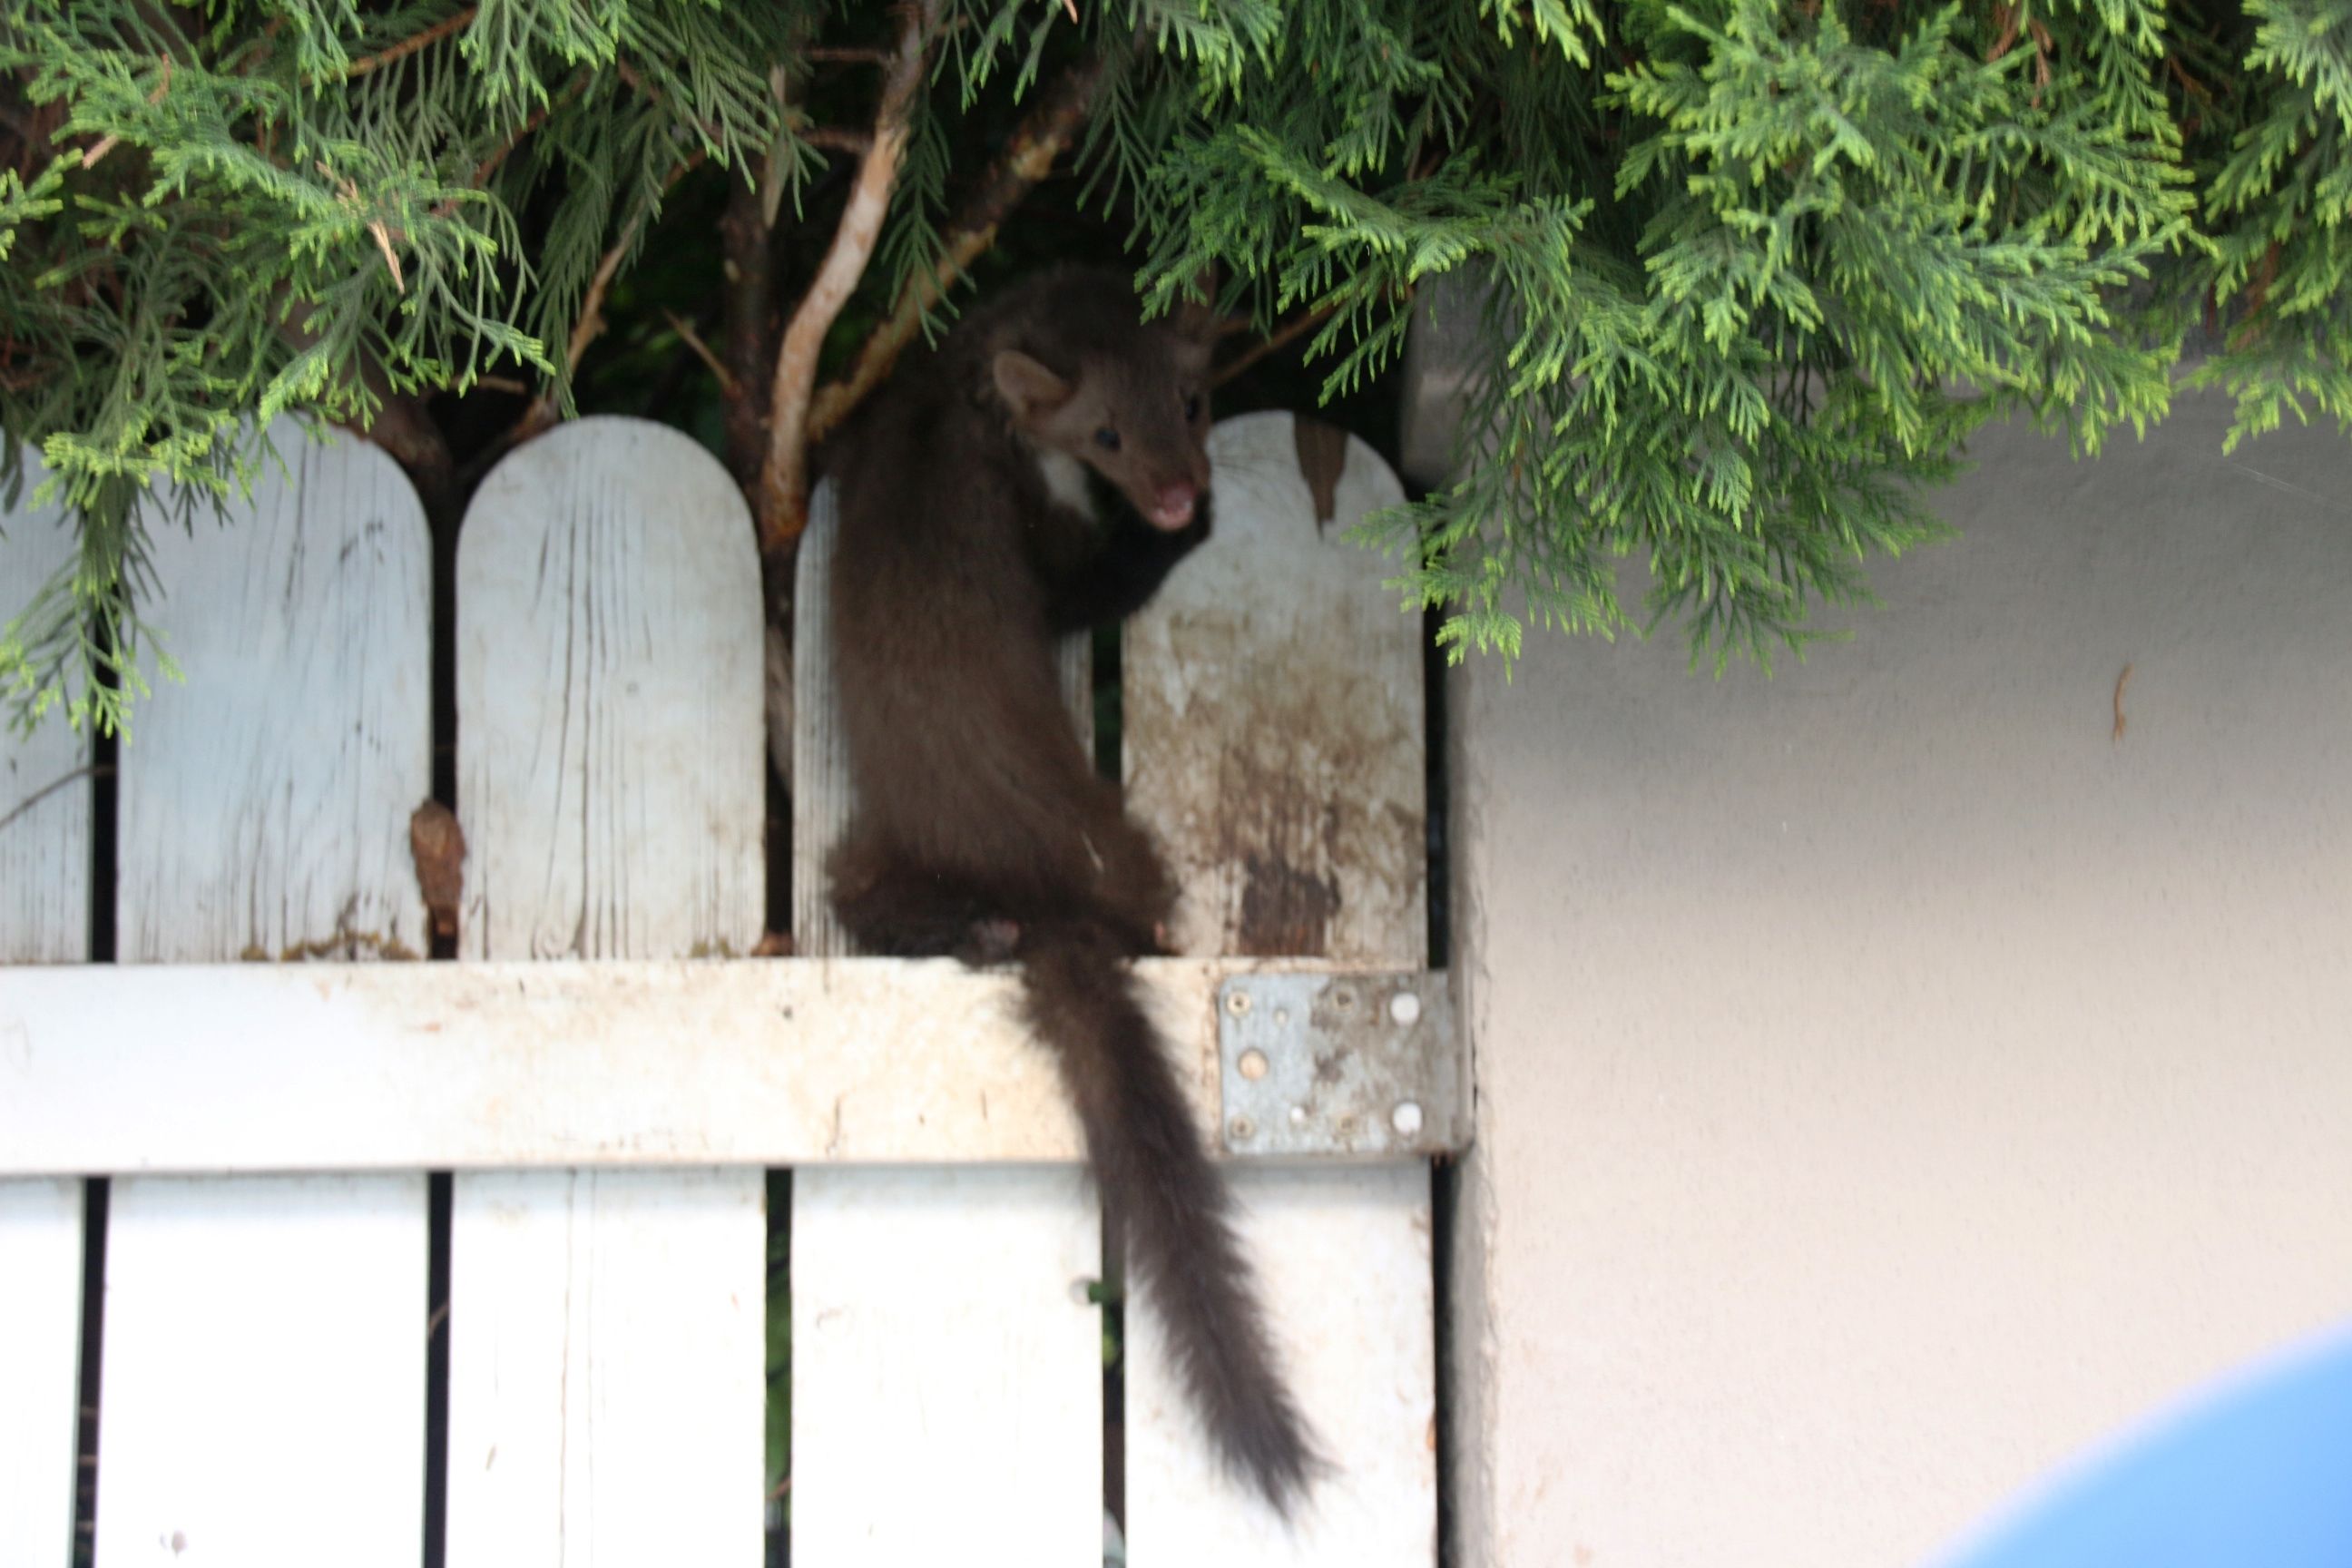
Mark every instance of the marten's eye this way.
pixel 1107 438
pixel 1192 408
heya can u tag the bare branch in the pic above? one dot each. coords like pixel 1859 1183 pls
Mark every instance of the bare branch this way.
pixel 841 141
pixel 784 479
pixel 1053 120
pixel 489 166
pixel 691 339
pixel 749 334
pixel 1289 333
pixel 409 45
pixel 97 770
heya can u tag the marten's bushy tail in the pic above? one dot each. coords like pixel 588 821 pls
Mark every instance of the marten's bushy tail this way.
pixel 1166 1201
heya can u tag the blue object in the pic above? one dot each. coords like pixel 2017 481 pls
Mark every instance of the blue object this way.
pixel 2259 1476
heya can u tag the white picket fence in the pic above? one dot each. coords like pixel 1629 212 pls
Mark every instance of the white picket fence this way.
pixel 609 1078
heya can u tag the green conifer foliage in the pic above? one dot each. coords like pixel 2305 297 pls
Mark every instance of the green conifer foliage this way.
pixel 1744 276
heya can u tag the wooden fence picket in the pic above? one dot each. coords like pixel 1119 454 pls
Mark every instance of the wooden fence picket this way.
pixel 264 813
pixel 44 844
pixel 45 827
pixel 607 1330
pixel 1273 710
pixel 943 1346
pixel 40 1367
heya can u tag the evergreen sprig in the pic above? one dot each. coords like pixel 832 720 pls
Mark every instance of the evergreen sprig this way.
pixel 306 207
pixel 1742 277
pixel 1752 272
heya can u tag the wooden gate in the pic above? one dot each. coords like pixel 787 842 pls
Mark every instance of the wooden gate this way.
pixel 610 1076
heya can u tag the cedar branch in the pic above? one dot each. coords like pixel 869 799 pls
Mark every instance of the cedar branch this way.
pixel 409 45
pixel 1029 156
pixel 783 478
pixel 107 144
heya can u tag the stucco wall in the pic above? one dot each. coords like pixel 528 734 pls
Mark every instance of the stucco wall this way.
pixel 1890 1083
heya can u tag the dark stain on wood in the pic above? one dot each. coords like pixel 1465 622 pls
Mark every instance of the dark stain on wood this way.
pixel 1322 454
pixel 437 847
pixel 1286 912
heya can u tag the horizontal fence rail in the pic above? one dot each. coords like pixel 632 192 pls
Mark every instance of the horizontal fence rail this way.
pixel 278 1068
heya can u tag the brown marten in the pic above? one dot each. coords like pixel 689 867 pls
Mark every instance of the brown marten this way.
pixel 1041 473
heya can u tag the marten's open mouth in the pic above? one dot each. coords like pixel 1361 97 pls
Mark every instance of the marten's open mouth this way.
pixel 1173 509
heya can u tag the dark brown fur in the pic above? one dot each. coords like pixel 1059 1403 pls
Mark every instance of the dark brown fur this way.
pixel 980 827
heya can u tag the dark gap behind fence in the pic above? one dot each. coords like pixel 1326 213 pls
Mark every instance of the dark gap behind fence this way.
pixel 776 1471
pixel 779 576
pixel 1446 1175
pixel 95 1193
pixel 440 1192
pixel 106 755
pixel 444 517
pixel 1110 1292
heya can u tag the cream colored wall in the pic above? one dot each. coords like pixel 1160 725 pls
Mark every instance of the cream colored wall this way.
pixel 1890 1083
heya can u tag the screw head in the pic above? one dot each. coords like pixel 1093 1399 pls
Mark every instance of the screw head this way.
pixel 1240 1130
pixel 1237 1003
pixel 1406 1118
pixel 1253 1065
pixel 1405 1007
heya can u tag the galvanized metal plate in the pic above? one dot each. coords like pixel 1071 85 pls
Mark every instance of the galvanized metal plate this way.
pixel 1366 1063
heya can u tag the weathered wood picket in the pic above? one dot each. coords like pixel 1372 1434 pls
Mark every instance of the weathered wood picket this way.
pixel 609 1077
pixel 45 898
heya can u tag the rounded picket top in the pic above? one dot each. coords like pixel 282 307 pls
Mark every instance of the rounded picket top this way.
pixel 265 802
pixel 609 776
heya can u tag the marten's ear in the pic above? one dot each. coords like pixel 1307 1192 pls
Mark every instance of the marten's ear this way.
pixel 1192 331
pixel 1028 388
pixel 1199 323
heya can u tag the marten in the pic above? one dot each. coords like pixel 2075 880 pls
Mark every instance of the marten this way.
pixel 1038 475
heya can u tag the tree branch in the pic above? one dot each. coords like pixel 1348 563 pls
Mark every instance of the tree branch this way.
pixel 841 141
pixel 402 422
pixel 749 334
pixel 693 339
pixel 784 479
pixel 106 144
pixel 98 770
pixel 489 164
pixel 1289 331
pixel 409 45
pixel 1053 120
pixel 541 414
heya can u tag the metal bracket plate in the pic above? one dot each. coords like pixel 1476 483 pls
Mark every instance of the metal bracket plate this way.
pixel 1354 1064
